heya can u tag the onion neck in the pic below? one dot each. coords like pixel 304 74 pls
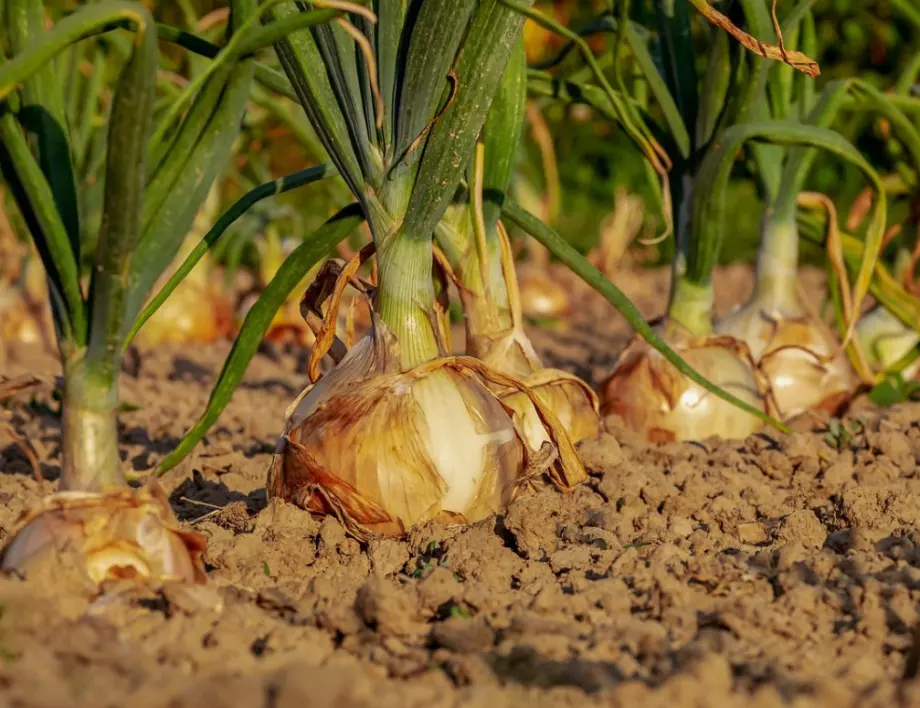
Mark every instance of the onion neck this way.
pixel 90 428
pixel 405 297
pixel 691 306
pixel 486 304
pixel 777 265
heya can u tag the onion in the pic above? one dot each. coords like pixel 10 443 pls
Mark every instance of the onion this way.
pixel 791 350
pixel 385 449
pixel 511 352
pixel 652 397
pixel 571 399
pixel 25 312
pixel 885 340
pixel 118 534
pixel 541 296
pixel 196 311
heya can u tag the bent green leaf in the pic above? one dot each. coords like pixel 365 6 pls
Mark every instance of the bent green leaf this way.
pixel 258 320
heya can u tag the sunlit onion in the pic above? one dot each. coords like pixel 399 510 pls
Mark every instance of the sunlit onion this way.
pixel 541 295
pixel 652 397
pixel 196 311
pixel 385 450
pixel 572 401
pixel 790 349
pixel 885 340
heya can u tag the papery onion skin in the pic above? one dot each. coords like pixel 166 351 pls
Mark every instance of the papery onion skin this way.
pixel 788 347
pixel 652 397
pixel 386 450
pixel 117 534
pixel 571 400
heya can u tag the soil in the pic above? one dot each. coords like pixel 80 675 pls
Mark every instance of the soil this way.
pixel 783 569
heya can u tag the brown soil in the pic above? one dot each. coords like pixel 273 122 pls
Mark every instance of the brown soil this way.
pixel 782 569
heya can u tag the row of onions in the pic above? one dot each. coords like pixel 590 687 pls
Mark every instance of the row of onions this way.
pixel 420 108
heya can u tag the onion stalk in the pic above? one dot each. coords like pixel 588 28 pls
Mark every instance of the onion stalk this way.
pixel 771 332
pixel 480 253
pixel 643 389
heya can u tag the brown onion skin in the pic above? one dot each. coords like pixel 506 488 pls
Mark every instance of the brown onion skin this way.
pixel 651 397
pixel 790 349
pixel 115 535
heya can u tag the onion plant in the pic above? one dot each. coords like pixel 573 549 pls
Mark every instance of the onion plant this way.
pixel 161 159
pixel 802 360
pixel 709 118
pixel 396 173
pixel 477 247
pixel 399 432
pixel 398 100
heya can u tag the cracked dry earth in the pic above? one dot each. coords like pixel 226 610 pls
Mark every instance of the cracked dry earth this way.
pixel 777 570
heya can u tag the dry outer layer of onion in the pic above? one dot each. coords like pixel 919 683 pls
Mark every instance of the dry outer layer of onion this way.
pixel 653 397
pixel 117 534
pixel 511 352
pixel 800 357
pixel 385 449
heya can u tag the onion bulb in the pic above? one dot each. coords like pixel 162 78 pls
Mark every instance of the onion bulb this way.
pixel 25 312
pixel 511 352
pixel 791 349
pixel 114 535
pixel 198 310
pixel 541 295
pixel 885 340
pixel 386 449
pixel 572 401
pixel 651 396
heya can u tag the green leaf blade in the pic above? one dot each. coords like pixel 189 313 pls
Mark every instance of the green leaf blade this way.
pixel 43 116
pixel 125 175
pixel 490 41
pixel 433 43
pixel 258 320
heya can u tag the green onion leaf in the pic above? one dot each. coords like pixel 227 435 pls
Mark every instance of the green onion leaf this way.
pixel 42 115
pixel 489 43
pixel 257 321
pixel 435 37
pixel 166 229
pixel 125 175
pixel 263 191
pixel 301 60
pixel 502 135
